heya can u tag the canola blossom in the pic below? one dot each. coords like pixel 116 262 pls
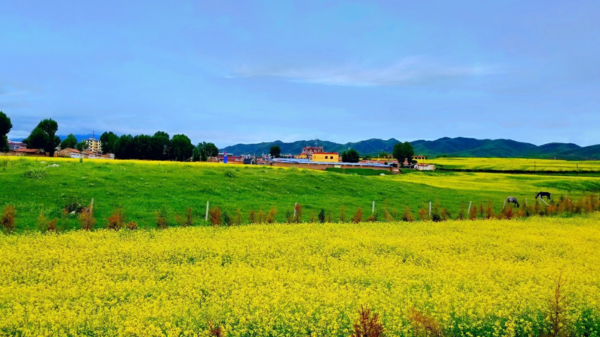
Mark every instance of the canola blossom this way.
pixel 516 164
pixel 476 278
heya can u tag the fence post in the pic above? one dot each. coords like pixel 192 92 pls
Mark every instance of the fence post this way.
pixel 206 218
pixel 295 205
pixel 504 206
pixel 469 211
pixel 430 209
pixel 92 206
pixel 373 209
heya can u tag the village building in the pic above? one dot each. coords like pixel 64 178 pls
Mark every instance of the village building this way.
pixel 330 157
pixel 94 145
pixel 27 152
pixel 419 157
pixel 308 151
pixel 231 159
pixel 424 167
pixel 385 161
pixel 320 165
pixel 68 153
pixel 14 146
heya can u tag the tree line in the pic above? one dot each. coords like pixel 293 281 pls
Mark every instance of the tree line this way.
pixel 159 146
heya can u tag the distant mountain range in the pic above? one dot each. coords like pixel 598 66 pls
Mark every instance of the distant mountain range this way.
pixel 370 146
pixel 456 147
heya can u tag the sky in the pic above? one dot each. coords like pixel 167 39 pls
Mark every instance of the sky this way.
pixel 247 71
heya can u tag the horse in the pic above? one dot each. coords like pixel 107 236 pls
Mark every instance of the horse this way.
pixel 543 194
pixel 512 200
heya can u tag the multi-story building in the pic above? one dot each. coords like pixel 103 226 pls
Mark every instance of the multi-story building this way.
pixel 94 145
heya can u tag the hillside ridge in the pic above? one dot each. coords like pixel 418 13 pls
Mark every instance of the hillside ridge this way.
pixel 454 147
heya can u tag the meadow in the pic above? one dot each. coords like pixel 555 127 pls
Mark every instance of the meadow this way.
pixel 48 185
pixel 530 276
pixel 515 164
pixel 459 278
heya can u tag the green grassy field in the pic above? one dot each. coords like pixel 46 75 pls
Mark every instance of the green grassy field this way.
pixel 144 187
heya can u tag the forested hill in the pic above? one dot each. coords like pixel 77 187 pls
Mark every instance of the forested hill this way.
pixel 370 146
pixel 457 147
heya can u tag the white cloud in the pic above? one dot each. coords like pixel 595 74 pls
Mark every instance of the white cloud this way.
pixel 409 71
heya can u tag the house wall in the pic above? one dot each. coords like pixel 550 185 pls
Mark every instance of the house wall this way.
pixel 326 157
pixel 425 167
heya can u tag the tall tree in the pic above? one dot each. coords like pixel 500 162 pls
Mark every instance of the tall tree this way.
pixel 161 146
pixel 142 145
pixel 82 145
pixel 350 156
pixel 211 149
pixel 69 143
pixel 124 147
pixel 196 155
pixel 182 148
pixel 50 127
pixel 409 151
pixel 37 139
pixel 403 151
pixel 275 151
pixel 5 126
pixel 108 140
pixel 49 141
pixel 398 152
pixel 200 152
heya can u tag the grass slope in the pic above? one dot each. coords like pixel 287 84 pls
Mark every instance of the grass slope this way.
pixel 144 187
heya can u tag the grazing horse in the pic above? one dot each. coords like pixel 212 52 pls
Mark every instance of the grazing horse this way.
pixel 512 200
pixel 543 194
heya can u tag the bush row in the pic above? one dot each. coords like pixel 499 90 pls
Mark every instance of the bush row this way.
pixel 216 217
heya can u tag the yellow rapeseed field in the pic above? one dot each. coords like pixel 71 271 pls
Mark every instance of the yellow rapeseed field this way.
pixel 474 278
pixel 129 161
pixel 516 164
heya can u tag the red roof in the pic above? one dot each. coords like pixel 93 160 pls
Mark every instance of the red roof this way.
pixel 71 150
pixel 28 150
pixel 326 153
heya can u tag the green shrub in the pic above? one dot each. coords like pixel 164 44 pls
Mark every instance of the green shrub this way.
pixel 8 220
pixel 322 216
pixel 35 173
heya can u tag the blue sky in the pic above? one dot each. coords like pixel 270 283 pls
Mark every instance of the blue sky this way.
pixel 249 71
